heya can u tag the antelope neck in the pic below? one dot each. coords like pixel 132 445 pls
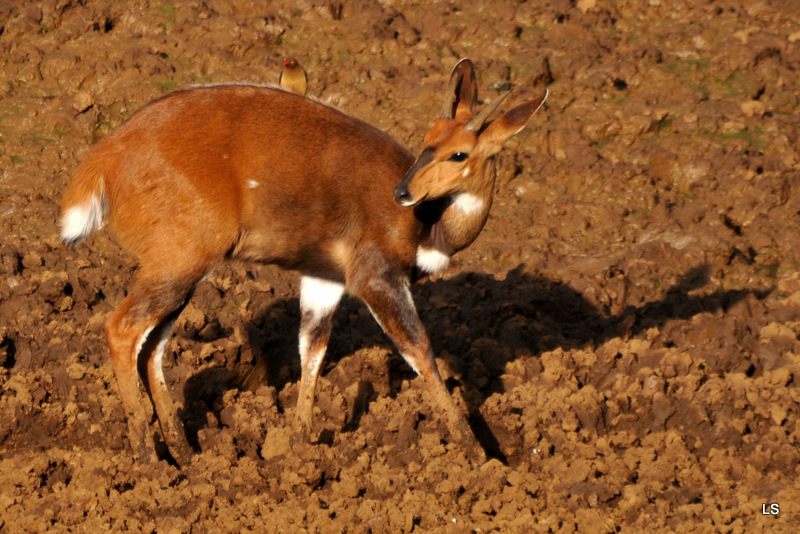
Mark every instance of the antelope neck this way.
pixel 453 223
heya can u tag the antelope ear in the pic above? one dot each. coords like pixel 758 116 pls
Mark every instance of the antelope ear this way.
pixel 462 92
pixel 494 136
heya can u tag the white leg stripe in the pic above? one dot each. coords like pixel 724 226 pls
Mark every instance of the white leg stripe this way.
pixel 319 296
pixel 312 361
pixel 158 357
pixel 141 342
pixel 410 363
pixel 468 204
pixel 431 260
pixel 305 343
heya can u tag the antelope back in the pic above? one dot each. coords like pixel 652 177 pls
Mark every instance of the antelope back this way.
pixel 253 171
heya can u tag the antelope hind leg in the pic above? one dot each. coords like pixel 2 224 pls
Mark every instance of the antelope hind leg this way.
pixel 171 426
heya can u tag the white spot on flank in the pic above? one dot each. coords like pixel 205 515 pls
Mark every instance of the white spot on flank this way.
pixel 252 184
pixel 78 221
pixel 319 296
pixel 431 260
pixel 468 203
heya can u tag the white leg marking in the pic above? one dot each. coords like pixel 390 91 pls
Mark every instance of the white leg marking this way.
pixel 158 358
pixel 311 361
pixel 431 260
pixel 78 221
pixel 141 342
pixel 468 203
pixel 319 296
pixel 376 317
pixel 305 343
pixel 410 363
pixel 139 348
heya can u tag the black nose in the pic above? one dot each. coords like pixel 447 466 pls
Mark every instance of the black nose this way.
pixel 401 194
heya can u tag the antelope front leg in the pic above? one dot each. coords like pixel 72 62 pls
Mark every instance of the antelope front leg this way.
pixel 318 301
pixel 391 304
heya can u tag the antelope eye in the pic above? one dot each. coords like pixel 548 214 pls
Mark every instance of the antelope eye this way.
pixel 458 156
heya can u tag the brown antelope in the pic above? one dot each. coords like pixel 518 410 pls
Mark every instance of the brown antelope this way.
pixel 262 174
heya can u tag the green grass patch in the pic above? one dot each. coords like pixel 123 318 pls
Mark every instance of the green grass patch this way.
pixel 701 88
pixel 168 13
pixel 167 86
pixel 687 66
pixel 753 137
pixel 770 270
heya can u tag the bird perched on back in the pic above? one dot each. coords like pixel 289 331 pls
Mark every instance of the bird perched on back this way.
pixel 293 77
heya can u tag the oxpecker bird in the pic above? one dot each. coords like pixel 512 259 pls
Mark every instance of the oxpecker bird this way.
pixel 293 77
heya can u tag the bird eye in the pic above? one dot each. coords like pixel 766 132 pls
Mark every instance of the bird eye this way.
pixel 458 156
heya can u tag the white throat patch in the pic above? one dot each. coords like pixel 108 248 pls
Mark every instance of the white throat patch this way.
pixel 468 204
pixel 431 260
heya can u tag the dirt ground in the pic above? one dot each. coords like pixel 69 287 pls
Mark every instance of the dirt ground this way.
pixel 625 332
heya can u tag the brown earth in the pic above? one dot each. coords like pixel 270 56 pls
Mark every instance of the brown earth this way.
pixel 624 332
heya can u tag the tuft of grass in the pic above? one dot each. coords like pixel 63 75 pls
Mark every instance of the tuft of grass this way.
pixel 688 66
pixel 702 89
pixel 701 63
pixel 167 85
pixel 168 13
pixel 771 269
pixel 656 283
pixel 664 124
pixel 751 136
pixel 736 84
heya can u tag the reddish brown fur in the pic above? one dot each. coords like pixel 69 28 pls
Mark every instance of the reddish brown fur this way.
pixel 266 175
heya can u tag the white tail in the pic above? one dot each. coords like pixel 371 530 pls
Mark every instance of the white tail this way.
pixel 266 175
pixel 79 221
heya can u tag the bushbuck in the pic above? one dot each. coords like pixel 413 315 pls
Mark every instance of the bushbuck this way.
pixel 266 175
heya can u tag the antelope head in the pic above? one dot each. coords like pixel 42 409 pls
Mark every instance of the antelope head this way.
pixel 459 144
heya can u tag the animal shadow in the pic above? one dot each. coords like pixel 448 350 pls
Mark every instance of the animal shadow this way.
pixel 477 325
